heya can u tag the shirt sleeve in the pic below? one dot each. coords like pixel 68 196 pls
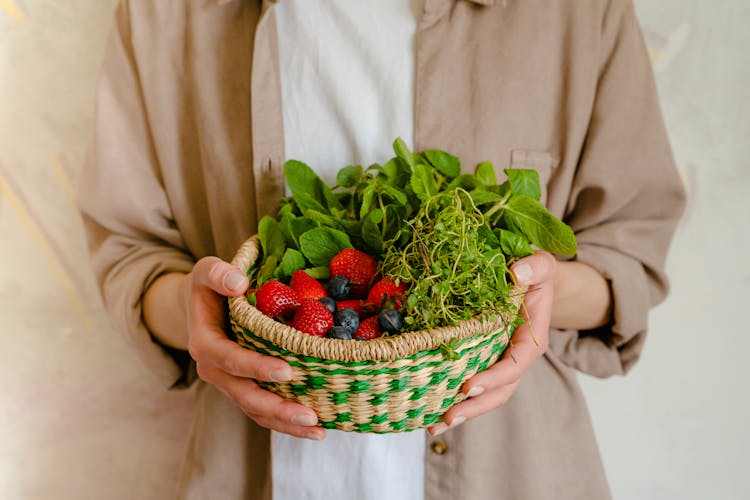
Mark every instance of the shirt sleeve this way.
pixel 127 217
pixel 626 200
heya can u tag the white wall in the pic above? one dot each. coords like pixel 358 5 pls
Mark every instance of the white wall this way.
pixel 80 419
pixel 676 428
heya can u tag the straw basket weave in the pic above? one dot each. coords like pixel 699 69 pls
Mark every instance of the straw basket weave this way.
pixel 390 384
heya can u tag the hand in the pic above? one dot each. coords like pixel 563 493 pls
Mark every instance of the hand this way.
pixel 229 367
pixel 493 387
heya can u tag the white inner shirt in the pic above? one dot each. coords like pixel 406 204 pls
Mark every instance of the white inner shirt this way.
pixel 347 82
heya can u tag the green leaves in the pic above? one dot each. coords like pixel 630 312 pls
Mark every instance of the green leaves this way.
pixel 525 182
pixel 321 244
pixel 423 182
pixel 542 228
pixel 445 163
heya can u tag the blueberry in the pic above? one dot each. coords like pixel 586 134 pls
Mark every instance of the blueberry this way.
pixel 390 321
pixel 348 318
pixel 339 287
pixel 329 303
pixel 338 332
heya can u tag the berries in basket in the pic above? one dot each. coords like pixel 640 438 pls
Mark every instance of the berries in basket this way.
pixel 386 292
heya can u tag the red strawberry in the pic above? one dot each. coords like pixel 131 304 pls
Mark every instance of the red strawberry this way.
pixel 357 266
pixel 385 289
pixel 355 304
pixel 276 300
pixel 313 317
pixel 306 286
pixel 368 329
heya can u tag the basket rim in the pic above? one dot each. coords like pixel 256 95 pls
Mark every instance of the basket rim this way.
pixel 381 349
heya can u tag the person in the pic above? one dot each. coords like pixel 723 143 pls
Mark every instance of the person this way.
pixel 199 104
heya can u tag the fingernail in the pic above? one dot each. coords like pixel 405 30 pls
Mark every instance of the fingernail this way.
pixel 475 391
pixel 281 375
pixel 234 280
pixel 305 420
pixel 440 430
pixel 523 273
pixel 458 421
pixel 315 436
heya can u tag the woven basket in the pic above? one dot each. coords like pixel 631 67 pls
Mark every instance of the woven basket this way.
pixel 390 384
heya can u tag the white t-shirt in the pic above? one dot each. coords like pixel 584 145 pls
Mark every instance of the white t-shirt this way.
pixel 347 80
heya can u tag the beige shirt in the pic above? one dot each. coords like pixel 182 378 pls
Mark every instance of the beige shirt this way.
pixel 187 155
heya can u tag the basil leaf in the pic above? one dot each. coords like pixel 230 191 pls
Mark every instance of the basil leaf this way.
pixel 423 182
pixel 538 225
pixel 394 193
pixel 524 181
pixel 445 163
pixel 271 239
pixel 485 173
pixel 321 244
pixel 349 176
pixel 514 244
pixel 403 152
pixel 291 261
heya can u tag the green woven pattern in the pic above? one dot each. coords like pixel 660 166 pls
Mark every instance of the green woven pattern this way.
pixel 380 396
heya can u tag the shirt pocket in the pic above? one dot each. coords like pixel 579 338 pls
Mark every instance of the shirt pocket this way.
pixel 541 161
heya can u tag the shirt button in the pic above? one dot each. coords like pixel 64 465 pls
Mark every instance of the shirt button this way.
pixel 439 447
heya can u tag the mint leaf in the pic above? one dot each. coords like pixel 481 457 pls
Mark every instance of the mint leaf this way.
pixel 463 181
pixel 445 163
pixel 485 174
pixel 397 173
pixel 268 269
pixel 524 181
pixel 371 232
pixel 514 244
pixel 291 261
pixel 324 219
pixel 403 152
pixel 423 182
pixel 321 244
pixel 349 176
pixel 541 227
pixel 271 239
pixel 482 197
pixel 305 185
pixel 319 273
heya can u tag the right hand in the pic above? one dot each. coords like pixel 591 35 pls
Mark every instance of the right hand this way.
pixel 231 368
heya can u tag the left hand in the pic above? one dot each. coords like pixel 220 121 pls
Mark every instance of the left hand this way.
pixel 493 387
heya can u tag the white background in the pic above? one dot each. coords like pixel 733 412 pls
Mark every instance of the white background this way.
pixel 80 419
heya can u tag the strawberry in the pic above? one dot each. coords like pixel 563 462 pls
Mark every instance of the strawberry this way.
pixel 355 304
pixel 385 291
pixel 313 317
pixel 357 266
pixel 368 329
pixel 276 300
pixel 306 286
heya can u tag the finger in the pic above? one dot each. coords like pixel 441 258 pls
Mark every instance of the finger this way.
pixel 314 433
pixel 535 269
pixel 260 404
pixel 219 276
pixel 210 345
pixel 516 360
pixel 472 408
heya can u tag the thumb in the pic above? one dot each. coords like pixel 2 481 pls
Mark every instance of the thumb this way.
pixel 534 269
pixel 221 277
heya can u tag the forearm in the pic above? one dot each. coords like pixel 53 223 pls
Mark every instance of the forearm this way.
pixel 583 299
pixel 164 310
